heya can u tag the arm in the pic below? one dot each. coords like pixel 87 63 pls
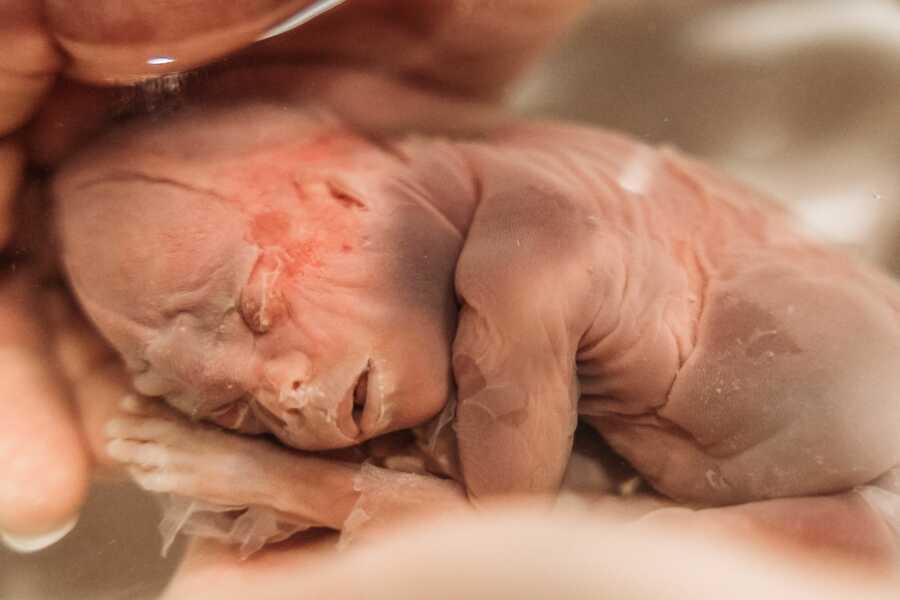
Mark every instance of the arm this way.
pixel 526 287
pixel 275 490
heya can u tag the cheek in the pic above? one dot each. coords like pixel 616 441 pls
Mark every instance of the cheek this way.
pixel 418 365
pixel 421 267
pixel 415 332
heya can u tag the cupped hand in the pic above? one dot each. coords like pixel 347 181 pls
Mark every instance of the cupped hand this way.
pixel 59 70
pixel 517 552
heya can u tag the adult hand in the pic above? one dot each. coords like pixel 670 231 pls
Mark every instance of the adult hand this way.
pixel 515 552
pixel 50 357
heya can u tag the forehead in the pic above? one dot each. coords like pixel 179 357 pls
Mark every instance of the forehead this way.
pixel 137 246
pixel 183 200
pixel 188 199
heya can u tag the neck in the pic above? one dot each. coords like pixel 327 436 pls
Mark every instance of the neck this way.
pixel 451 186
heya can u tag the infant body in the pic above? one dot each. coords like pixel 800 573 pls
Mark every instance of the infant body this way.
pixel 284 270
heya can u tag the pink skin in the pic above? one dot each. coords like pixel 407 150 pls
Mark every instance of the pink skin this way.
pixel 675 311
pixel 250 312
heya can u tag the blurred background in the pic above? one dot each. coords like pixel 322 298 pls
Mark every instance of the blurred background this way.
pixel 798 97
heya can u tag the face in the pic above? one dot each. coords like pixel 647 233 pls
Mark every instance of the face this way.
pixel 292 278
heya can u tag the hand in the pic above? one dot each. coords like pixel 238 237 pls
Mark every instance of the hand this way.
pixel 49 356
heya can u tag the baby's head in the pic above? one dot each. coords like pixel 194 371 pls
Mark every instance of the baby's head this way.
pixel 267 269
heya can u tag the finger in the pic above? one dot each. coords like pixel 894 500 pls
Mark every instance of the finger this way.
pixel 523 282
pixel 28 61
pixel 94 374
pixel 515 554
pixel 344 91
pixel 43 464
pixel 70 115
pixel 29 236
pixel 111 41
pixel 12 161
pixel 471 48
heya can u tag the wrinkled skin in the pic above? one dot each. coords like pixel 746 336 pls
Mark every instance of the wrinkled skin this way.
pixel 725 357
pixel 286 275
pixel 61 74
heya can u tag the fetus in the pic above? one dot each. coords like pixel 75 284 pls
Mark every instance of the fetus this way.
pixel 282 271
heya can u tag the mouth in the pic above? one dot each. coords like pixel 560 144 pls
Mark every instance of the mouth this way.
pixel 353 407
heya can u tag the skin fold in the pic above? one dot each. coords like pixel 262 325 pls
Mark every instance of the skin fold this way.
pixel 66 72
pixel 299 269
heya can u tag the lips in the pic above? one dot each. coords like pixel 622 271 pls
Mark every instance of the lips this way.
pixel 353 407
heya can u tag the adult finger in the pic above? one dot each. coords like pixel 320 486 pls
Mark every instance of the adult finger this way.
pixel 516 554
pixel 12 162
pixel 43 465
pixel 475 48
pixel 113 42
pixel 69 116
pixel 93 372
pixel 28 61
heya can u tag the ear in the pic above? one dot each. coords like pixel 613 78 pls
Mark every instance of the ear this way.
pixel 262 304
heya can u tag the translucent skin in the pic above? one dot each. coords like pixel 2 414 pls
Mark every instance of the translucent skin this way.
pixel 726 357
pixel 257 278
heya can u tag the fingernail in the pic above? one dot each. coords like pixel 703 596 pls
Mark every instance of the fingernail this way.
pixel 305 15
pixel 113 447
pixel 25 544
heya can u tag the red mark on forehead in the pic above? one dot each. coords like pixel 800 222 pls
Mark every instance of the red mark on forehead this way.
pixel 315 222
pixel 299 246
pixel 295 203
pixel 270 228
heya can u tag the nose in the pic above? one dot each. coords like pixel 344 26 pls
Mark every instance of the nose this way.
pixel 287 373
